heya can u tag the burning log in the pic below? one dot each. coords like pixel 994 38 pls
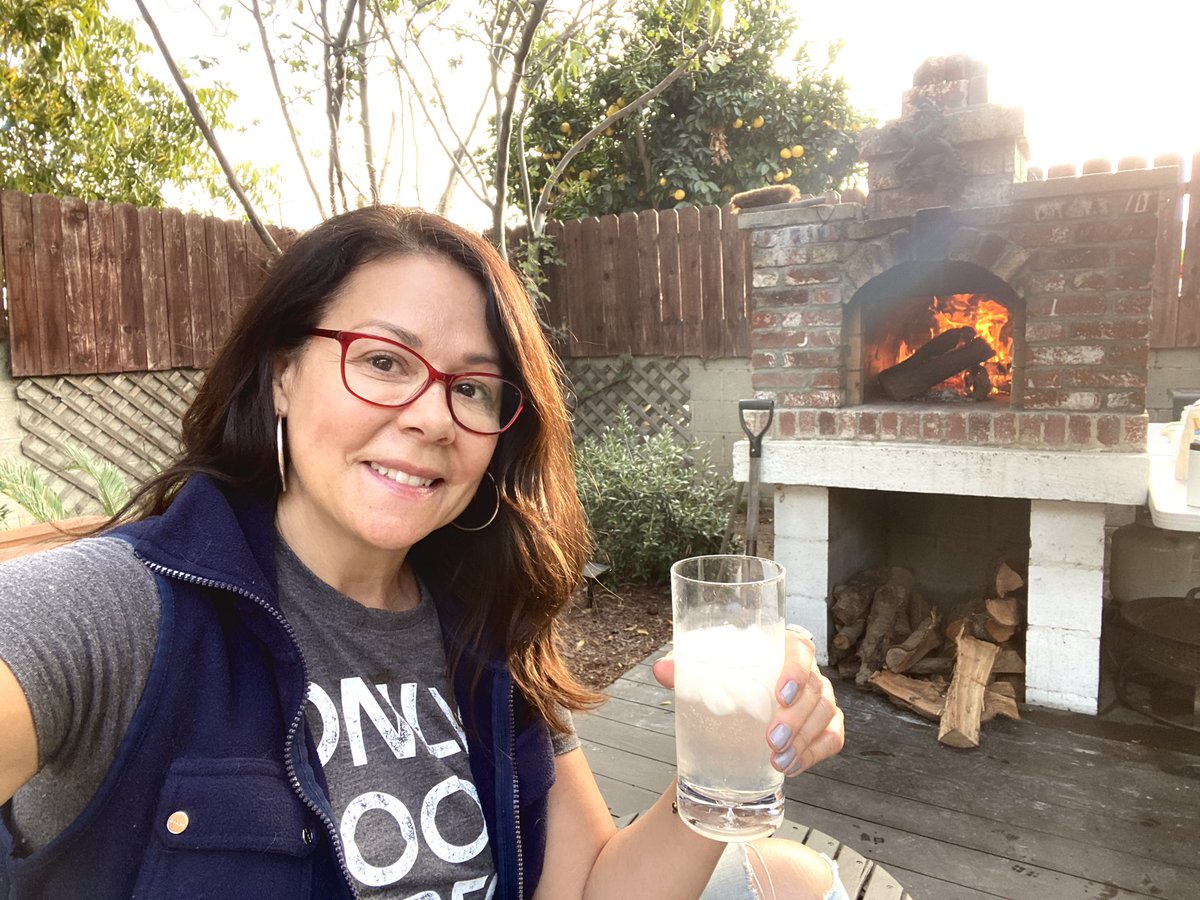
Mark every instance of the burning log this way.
pixel 934 362
pixel 964 700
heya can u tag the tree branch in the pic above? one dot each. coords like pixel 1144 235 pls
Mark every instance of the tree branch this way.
pixel 504 126
pixel 364 108
pixel 202 123
pixel 283 107
pixel 539 218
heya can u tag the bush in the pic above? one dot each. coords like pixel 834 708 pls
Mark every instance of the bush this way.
pixel 650 500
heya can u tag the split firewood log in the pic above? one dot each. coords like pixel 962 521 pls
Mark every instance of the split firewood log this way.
pixel 847 667
pixel 997 633
pixel 924 639
pixel 889 600
pixel 964 699
pixel 1007 580
pixel 932 665
pixel 922 697
pixel 1000 699
pixel 848 635
pixel 1005 610
pixel 851 602
pixel 1008 662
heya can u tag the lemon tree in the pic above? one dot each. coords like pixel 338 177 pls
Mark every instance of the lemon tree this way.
pixel 739 120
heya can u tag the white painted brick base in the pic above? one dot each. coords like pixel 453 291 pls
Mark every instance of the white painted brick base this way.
pixel 802 548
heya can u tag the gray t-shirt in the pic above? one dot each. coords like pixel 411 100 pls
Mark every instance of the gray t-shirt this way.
pixel 78 627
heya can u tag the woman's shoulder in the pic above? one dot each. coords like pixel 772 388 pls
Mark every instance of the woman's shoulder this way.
pixel 103 557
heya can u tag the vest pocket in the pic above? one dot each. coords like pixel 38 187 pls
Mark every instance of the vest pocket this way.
pixel 229 828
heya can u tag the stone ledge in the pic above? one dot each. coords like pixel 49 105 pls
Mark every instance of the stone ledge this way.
pixel 1086 476
pixel 782 215
pixel 1100 183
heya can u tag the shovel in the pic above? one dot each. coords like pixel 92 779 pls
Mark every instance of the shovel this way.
pixel 756 437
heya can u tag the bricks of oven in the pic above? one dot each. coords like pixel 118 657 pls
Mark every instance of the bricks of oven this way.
pixel 1080 252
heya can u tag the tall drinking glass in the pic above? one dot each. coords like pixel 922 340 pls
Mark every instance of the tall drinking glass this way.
pixel 729 651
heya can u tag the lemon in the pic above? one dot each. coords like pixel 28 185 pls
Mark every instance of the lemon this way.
pixel 612 110
pixel 609 132
pixel 785 153
pixel 779 176
pixel 757 123
pixel 620 103
pixel 738 123
pixel 807 120
pixel 679 194
pixel 585 175
pixel 565 128
pixel 797 151
pixel 662 182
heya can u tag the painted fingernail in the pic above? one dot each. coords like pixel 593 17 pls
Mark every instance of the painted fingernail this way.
pixel 780 735
pixel 784 759
pixel 789 692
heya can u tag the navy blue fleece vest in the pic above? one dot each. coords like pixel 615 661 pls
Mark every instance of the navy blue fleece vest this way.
pixel 223 700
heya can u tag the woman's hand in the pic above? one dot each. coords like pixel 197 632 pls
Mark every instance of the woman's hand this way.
pixel 809 726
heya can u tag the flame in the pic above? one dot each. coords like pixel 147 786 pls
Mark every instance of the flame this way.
pixel 991 321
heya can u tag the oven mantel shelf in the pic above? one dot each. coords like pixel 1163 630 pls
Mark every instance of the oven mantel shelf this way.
pixel 1078 476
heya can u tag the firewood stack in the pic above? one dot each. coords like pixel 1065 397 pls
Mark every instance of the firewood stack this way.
pixel 962 672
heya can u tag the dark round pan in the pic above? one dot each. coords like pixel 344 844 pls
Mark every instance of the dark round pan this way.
pixel 1166 635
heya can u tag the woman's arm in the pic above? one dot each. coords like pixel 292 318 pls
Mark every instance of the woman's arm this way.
pixel 657 855
pixel 18 741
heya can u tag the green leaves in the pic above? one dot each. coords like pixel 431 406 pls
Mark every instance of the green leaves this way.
pixel 24 484
pixel 83 118
pixel 650 500
pixel 717 131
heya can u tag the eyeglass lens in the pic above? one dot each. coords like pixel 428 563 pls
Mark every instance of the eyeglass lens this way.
pixel 383 372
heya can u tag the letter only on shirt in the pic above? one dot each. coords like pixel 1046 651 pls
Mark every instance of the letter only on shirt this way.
pixel 366 722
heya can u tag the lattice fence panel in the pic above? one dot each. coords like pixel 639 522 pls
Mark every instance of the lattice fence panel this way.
pixel 654 391
pixel 130 419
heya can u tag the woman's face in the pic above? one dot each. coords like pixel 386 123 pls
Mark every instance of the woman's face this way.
pixel 362 477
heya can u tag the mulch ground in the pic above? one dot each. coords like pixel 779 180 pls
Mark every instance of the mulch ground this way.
pixel 625 625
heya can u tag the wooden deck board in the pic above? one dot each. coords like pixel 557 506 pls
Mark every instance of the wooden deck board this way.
pixel 1045 808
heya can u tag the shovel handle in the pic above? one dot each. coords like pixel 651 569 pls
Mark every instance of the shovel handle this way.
pixel 756 437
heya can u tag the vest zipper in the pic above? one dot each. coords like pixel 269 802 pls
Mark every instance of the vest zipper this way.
pixel 330 827
pixel 516 789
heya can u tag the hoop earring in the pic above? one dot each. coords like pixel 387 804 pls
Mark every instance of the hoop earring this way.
pixel 492 517
pixel 279 453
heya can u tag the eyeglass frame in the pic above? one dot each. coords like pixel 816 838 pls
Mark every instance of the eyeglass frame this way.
pixel 433 374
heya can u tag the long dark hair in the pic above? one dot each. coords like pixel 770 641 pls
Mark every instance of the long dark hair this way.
pixel 515 576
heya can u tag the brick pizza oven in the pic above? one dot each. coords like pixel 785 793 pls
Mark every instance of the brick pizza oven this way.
pixel 1041 289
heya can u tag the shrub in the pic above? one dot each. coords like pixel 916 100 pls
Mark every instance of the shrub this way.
pixel 650 500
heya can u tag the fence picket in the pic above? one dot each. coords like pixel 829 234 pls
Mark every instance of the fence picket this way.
pixel 670 304
pixel 155 306
pixel 649 330
pixel 53 340
pixel 1187 332
pixel 131 330
pixel 77 280
pixel 576 300
pixel 610 234
pixel 198 288
pixel 735 339
pixel 712 277
pixel 591 325
pixel 16 220
pixel 106 285
pixel 690 283
pixel 218 281
pixel 179 298
pixel 625 331
pixel 554 311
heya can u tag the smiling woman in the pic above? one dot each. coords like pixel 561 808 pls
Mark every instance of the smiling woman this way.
pixel 300 666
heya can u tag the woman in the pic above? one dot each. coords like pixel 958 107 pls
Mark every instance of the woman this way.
pixel 351 525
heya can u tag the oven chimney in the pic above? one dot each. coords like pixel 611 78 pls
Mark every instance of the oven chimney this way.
pixel 950 147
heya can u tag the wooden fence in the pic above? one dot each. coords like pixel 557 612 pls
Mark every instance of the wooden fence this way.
pixel 1175 298
pixel 654 283
pixel 99 288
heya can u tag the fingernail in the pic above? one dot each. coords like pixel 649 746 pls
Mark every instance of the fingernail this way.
pixel 789 692
pixel 780 735
pixel 784 759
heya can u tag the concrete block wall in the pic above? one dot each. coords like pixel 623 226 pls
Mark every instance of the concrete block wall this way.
pixel 1177 369
pixel 716 386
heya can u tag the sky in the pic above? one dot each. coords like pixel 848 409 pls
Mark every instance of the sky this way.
pixel 1092 82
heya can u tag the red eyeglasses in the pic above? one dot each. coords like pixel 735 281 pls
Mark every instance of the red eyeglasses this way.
pixel 384 372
